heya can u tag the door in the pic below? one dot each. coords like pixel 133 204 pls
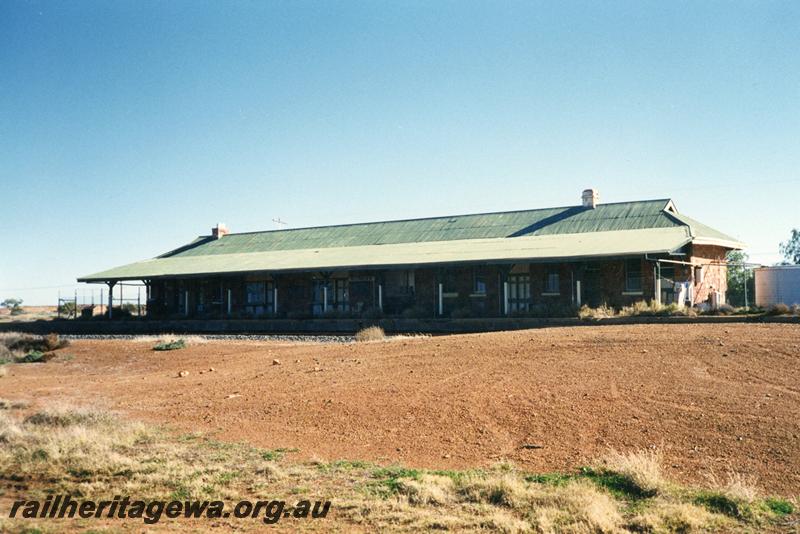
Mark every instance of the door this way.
pixel 519 292
pixel 592 287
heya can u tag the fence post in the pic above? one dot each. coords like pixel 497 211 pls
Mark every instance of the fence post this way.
pixel 110 300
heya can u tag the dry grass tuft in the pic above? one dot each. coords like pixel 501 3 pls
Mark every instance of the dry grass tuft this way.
pixel 407 337
pixel 577 507
pixel 505 489
pixel 736 486
pixel 505 522
pixel 12 405
pixel 433 490
pixel 676 517
pixel 600 312
pixel 654 308
pixel 637 309
pixel 371 333
pixel 643 468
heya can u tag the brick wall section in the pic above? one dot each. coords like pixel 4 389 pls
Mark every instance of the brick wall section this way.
pixel 294 294
pixel 539 273
pixel 715 272
pixel 601 282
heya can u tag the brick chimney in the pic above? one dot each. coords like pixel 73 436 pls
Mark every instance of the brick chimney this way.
pixel 219 230
pixel 590 198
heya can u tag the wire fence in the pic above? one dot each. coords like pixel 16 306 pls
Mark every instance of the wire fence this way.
pixel 96 302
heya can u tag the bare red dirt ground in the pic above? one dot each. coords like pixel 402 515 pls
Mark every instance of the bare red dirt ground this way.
pixel 711 397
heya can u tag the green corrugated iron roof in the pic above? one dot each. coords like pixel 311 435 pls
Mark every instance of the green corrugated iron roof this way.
pixel 549 221
pixel 703 234
pixel 556 233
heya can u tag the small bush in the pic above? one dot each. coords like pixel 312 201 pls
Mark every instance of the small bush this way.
pixel 54 342
pixel 6 356
pixel 67 308
pixel 25 343
pixel 778 309
pixel 371 333
pixel 170 345
pixel 726 309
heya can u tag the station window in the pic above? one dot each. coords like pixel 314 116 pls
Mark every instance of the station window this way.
pixel 633 275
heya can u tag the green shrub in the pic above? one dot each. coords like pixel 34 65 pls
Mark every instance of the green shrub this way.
pixel 171 345
pixel 717 501
pixel 779 506
pixel 33 356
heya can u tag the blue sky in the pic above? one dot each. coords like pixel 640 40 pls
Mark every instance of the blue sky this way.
pixel 130 127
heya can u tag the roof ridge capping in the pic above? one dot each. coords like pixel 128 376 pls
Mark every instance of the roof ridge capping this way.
pixel 667 204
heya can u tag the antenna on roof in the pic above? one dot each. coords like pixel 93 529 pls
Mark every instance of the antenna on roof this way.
pixel 278 222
